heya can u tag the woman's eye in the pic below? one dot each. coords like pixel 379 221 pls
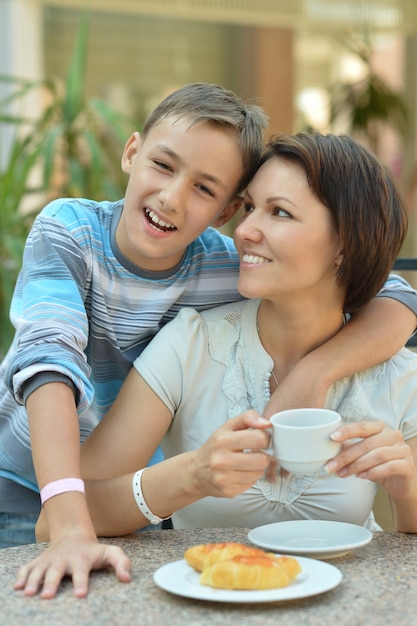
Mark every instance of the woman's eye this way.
pixel 281 212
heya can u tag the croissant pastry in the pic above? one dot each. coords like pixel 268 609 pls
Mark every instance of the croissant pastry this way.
pixel 237 566
pixel 250 572
pixel 204 555
pixel 290 564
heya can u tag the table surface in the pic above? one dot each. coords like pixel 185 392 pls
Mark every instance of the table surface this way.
pixel 379 587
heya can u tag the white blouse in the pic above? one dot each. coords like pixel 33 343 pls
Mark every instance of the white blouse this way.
pixel 208 367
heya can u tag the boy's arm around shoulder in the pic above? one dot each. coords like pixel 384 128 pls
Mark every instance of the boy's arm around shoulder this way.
pixel 373 335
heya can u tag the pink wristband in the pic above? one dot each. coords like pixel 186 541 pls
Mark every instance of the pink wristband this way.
pixel 61 486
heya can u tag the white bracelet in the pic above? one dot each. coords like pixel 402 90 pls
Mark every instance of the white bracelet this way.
pixel 140 500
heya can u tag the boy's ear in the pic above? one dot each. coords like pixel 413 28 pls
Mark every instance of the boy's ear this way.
pixel 227 213
pixel 130 151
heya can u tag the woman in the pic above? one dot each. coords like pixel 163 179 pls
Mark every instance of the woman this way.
pixel 323 224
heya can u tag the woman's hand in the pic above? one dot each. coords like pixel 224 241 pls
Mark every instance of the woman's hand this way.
pixel 233 458
pixel 376 452
pixel 74 556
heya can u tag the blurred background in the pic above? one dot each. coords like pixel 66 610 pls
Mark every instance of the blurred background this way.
pixel 309 63
pixel 77 76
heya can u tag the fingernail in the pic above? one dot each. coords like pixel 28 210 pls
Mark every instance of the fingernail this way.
pixel 330 467
pixel 336 435
pixel 262 420
pixel 80 592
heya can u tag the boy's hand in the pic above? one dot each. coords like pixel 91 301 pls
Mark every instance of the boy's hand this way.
pixel 72 556
pixel 41 529
pixel 304 386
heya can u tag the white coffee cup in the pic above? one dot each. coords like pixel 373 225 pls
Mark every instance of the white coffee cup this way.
pixel 301 439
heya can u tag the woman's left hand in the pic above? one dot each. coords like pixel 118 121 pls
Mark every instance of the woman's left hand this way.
pixel 376 452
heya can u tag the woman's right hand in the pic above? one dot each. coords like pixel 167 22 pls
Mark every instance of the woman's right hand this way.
pixel 234 457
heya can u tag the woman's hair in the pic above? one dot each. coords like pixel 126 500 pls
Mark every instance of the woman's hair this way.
pixel 207 103
pixel 363 199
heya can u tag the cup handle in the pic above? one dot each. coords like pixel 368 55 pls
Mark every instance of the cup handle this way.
pixel 270 449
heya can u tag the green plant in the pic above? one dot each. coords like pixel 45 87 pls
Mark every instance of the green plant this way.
pixel 74 143
pixel 368 104
pixel 14 228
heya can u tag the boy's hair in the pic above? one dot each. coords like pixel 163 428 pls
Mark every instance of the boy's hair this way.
pixel 363 199
pixel 204 102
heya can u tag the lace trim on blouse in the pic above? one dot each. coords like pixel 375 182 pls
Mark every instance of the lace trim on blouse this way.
pixel 241 385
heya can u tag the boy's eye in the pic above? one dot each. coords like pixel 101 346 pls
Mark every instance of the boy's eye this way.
pixel 162 165
pixel 206 190
pixel 248 207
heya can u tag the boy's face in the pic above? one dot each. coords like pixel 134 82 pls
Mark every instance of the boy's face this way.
pixel 182 178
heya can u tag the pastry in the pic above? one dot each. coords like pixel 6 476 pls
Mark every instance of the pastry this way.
pixel 247 572
pixel 204 555
pixel 290 564
pixel 237 566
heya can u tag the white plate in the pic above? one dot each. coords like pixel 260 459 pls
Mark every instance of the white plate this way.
pixel 181 579
pixel 315 538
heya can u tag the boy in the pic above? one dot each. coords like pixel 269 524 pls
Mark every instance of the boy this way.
pixel 100 279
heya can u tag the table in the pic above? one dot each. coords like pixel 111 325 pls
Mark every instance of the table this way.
pixel 379 587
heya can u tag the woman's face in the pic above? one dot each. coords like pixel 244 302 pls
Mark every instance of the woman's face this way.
pixel 286 240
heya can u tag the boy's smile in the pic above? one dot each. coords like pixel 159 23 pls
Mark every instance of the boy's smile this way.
pixel 181 178
pixel 158 223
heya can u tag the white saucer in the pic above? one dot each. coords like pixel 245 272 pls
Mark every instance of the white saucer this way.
pixel 315 538
pixel 181 579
